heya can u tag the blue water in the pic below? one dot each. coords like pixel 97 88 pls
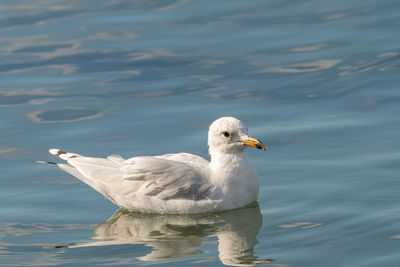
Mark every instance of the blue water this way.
pixel 317 81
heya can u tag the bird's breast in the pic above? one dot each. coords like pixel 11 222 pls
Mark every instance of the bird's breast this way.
pixel 236 177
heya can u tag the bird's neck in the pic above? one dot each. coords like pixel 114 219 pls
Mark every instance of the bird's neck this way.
pixel 236 178
pixel 225 167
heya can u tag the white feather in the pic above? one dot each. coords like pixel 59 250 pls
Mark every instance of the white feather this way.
pixel 174 183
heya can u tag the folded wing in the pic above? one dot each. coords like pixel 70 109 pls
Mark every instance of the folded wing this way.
pixel 167 177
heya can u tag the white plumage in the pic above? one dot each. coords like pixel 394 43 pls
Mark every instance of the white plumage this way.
pixel 176 183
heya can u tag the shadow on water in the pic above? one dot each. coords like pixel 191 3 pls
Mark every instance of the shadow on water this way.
pixel 174 236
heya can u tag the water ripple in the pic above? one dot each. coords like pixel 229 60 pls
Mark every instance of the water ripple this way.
pixel 388 61
pixel 68 114
pixel 316 65
pixel 4 150
pixel 302 225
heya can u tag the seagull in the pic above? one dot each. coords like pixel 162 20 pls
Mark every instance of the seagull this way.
pixel 176 183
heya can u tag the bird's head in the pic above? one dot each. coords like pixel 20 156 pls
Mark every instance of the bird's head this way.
pixel 229 135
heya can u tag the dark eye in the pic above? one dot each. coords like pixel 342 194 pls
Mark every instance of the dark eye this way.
pixel 225 133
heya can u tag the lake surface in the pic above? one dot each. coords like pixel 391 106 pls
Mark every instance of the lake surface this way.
pixel 316 81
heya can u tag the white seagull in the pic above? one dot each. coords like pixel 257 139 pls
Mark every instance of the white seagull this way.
pixel 176 183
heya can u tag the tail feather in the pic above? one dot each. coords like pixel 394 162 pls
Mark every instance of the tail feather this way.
pixel 63 154
pixel 98 173
pixel 46 162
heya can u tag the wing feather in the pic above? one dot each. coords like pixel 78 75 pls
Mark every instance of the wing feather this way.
pixel 167 179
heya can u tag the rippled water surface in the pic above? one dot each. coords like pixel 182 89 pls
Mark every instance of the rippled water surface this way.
pixel 317 81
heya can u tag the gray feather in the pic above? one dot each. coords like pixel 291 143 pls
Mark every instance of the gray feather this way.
pixel 167 179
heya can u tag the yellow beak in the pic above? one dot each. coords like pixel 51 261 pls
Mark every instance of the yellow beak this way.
pixel 251 141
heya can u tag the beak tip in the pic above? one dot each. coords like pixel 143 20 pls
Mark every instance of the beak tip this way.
pixel 263 147
pixel 250 141
pixel 260 146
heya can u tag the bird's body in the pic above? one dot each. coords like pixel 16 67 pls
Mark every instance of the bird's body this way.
pixel 176 183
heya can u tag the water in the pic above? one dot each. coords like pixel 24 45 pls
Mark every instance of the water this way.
pixel 317 81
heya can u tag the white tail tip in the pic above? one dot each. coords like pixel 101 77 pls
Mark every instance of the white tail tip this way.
pixel 54 151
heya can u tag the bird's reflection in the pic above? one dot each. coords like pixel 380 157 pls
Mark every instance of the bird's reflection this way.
pixel 173 236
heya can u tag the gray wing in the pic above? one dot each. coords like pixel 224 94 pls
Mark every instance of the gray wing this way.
pixel 167 179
